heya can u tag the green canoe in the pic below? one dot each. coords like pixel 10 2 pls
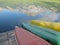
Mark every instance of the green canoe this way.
pixel 44 29
pixel 58 37
pixel 52 38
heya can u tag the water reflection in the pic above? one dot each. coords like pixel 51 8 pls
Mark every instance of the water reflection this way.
pixel 58 20
pixel 1 9
pixel 10 17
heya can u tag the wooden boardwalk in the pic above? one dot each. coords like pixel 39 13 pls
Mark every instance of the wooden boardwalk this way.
pixel 8 38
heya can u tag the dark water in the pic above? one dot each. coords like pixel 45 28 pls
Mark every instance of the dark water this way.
pixel 9 19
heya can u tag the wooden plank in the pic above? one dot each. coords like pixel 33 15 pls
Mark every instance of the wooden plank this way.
pixel 27 38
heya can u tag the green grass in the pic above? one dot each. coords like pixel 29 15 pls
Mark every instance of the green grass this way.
pixel 45 3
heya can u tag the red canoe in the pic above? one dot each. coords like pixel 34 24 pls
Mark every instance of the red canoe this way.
pixel 27 38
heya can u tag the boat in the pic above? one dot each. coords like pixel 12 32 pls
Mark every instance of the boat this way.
pixel 46 24
pixel 25 37
pixel 44 29
pixel 58 37
pixel 41 33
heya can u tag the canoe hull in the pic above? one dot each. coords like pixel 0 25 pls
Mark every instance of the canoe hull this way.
pixel 51 25
pixel 27 38
pixel 46 35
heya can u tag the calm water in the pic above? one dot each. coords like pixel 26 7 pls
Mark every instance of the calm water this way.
pixel 8 19
pixel 58 20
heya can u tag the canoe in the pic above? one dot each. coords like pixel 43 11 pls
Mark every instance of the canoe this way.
pixel 44 29
pixel 58 37
pixel 48 30
pixel 25 37
pixel 51 25
pixel 41 33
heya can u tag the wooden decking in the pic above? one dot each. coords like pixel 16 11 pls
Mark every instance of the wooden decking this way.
pixel 8 38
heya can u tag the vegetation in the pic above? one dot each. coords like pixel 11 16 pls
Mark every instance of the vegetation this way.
pixel 45 3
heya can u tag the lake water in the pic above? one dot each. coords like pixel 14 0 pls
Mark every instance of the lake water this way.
pixel 9 19
pixel 58 20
